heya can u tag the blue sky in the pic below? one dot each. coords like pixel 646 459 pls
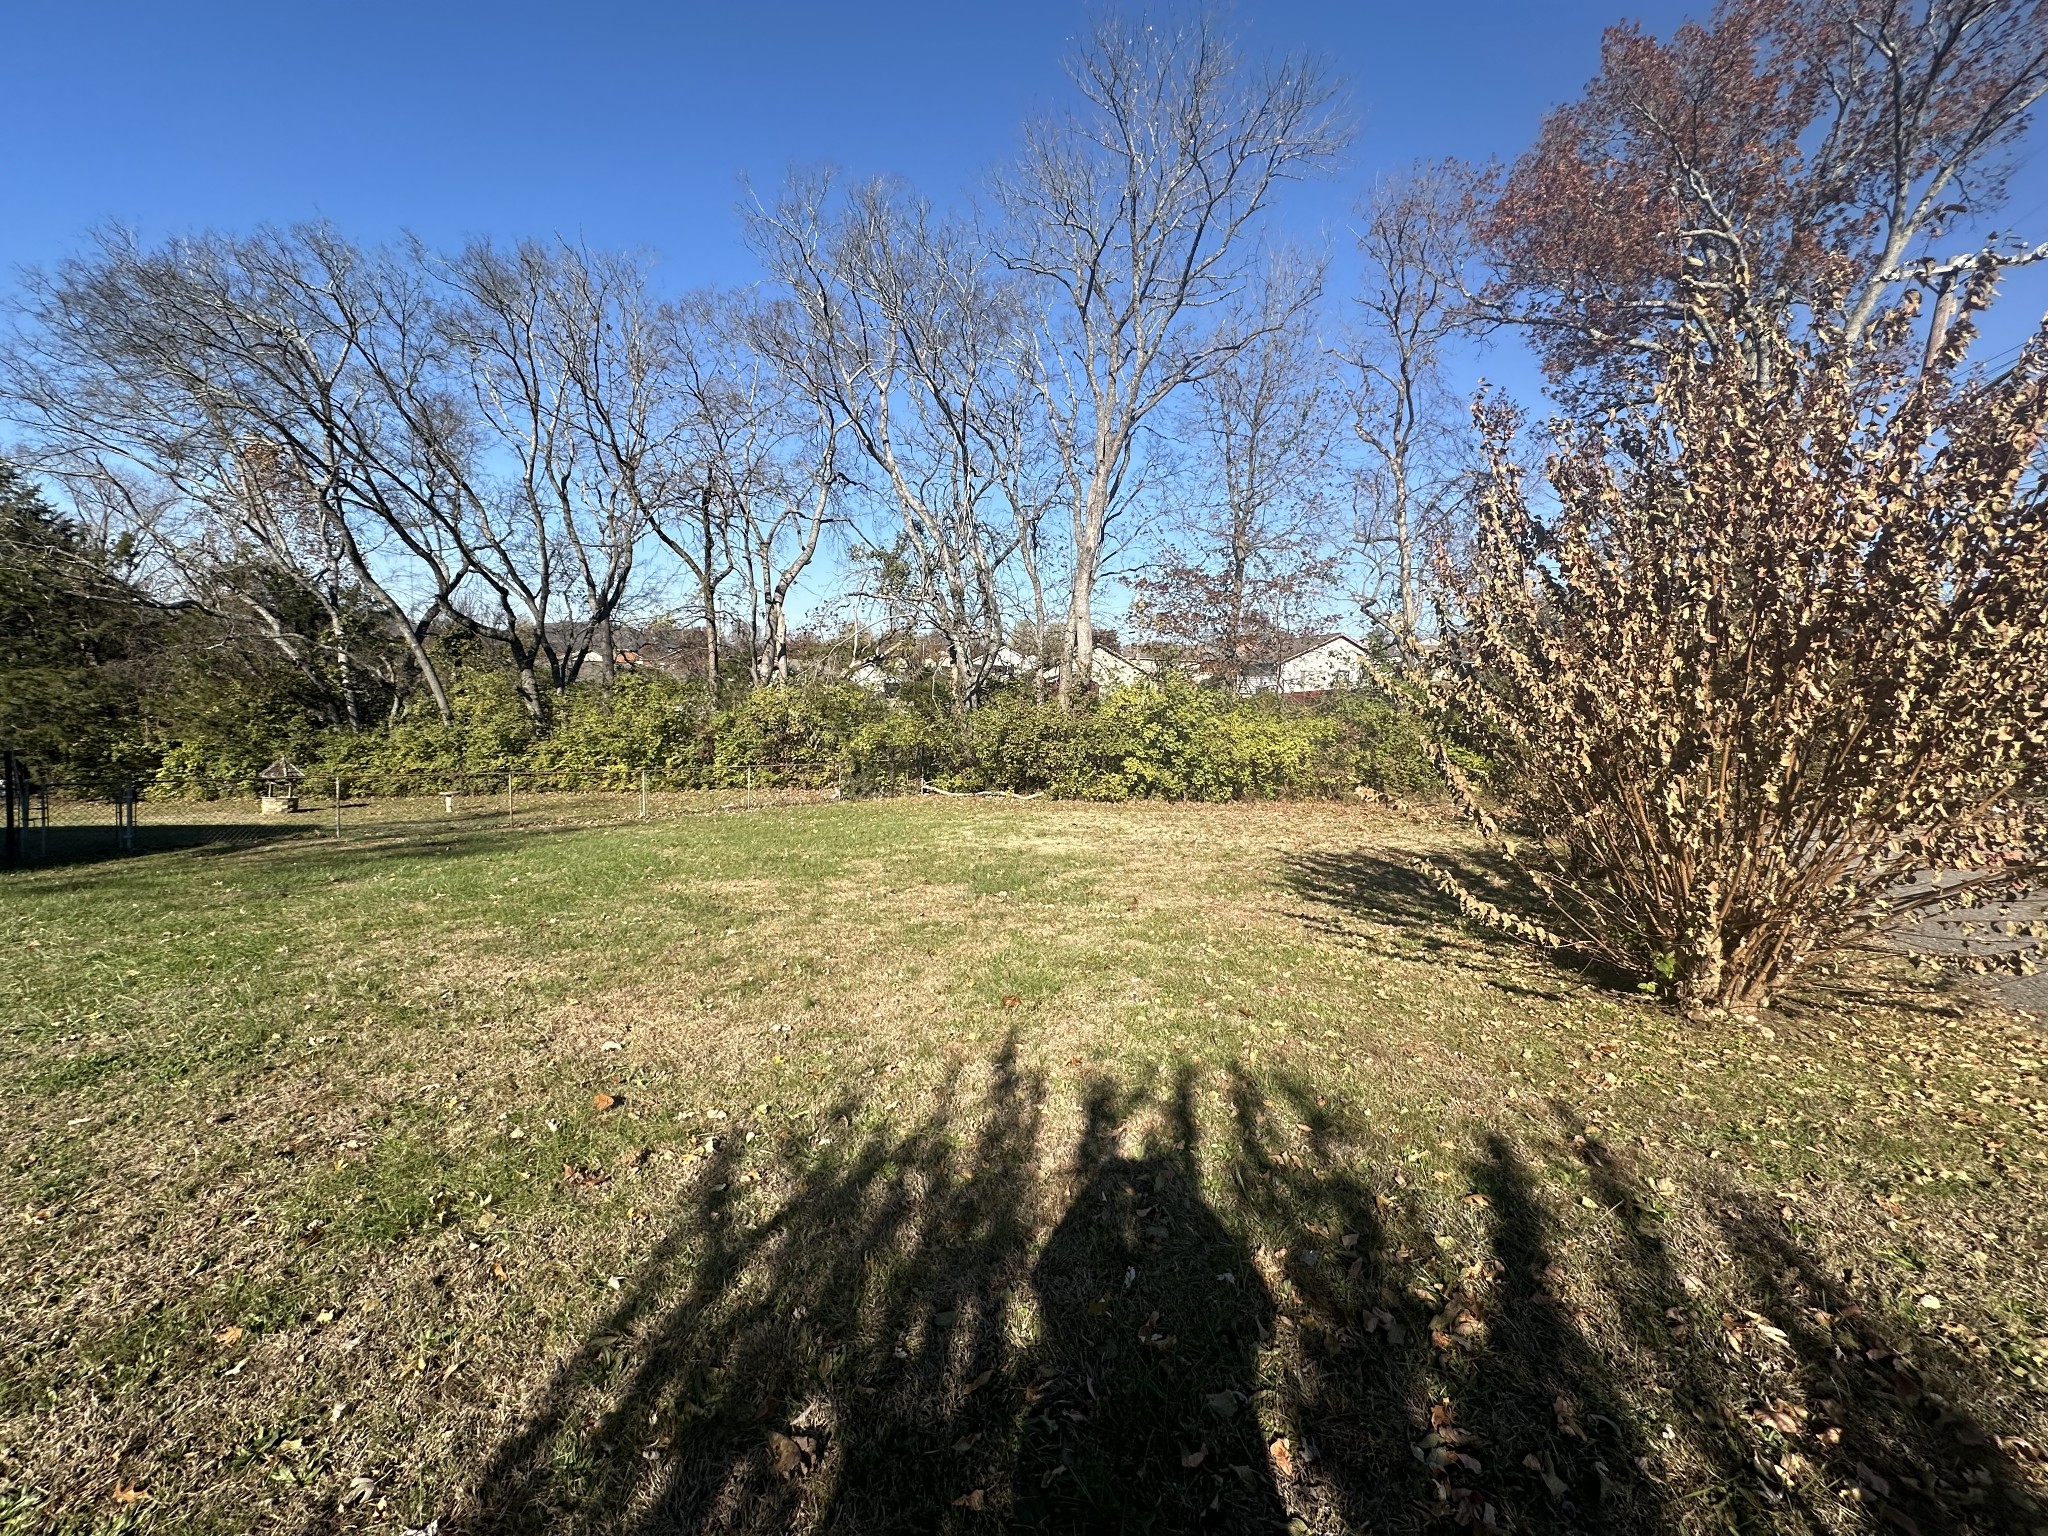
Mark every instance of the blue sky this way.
pixel 629 123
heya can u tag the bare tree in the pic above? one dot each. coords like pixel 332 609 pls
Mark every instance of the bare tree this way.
pixel 1137 214
pixel 782 474
pixel 1416 246
pixel 711 452
pixel 1258 557
pixel 564 363
pixel 246 393
pixel 909 332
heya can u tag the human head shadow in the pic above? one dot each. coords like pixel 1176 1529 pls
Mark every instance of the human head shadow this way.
pixel 1142 1416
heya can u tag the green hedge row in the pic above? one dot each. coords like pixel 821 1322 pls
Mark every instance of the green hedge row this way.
pixel 1174 742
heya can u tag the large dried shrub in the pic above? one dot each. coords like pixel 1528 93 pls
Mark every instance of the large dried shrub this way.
pixel 1771 674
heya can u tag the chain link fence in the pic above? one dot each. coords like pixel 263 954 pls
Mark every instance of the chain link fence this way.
pixel 61 823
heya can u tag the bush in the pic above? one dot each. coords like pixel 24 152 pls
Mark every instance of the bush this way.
pixel 1180 741
pixel 1014 743
pixel 603 737
pixel 1381 746
pixel 1778 654
pixel 799 733
pixel 490 734
pixel 229 731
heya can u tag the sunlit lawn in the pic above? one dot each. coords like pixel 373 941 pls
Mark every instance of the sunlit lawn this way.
pixel 952 1165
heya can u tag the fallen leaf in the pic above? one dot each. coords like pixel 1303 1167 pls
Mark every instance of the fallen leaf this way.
pixel 974 1500
pixel 976 1385
pixel 229 1334
pixel 789 1454
pixel 128 1493
pixel 1194 1458
pixel 604 1101
pixel 1567 1418
pixel 1551 1480
pixel 1281 1457
pixel 1222 1404
pixel 1782 1416
pixel 1012 1000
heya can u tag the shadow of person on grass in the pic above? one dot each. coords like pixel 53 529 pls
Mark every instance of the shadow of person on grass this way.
pixel 892 1341
pixel 1141 1417
pixel 1231 1313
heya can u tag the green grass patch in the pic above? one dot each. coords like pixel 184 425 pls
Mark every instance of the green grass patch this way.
pixel 909 1165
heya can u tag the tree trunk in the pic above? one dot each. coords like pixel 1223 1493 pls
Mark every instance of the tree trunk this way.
pixel 436 689
pixel 707 587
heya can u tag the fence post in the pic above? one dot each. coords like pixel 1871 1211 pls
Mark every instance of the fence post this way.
pixel 748 804
pixel 17 809
pixel 337 807
pixel 643 794
pixel 124 818
pixel 508 791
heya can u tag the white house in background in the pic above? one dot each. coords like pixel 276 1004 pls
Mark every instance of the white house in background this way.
pixel 1002 664
pixel 1113 669
pixel 869 674
pixel 1318 664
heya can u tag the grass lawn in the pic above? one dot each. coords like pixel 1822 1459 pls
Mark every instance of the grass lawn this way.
pixel 958 1165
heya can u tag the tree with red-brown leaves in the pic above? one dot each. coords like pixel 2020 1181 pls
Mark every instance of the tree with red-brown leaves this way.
pixel 1787 167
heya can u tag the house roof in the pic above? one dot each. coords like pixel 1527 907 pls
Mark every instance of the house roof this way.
pixel 1314 643
pixel 1282 652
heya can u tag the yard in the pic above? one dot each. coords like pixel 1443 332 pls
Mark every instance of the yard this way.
pixel 926 1165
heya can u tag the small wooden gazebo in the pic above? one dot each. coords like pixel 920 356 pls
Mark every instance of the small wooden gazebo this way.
pixel 280 783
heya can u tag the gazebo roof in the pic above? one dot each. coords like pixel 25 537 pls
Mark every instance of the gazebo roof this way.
pixel 283 769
